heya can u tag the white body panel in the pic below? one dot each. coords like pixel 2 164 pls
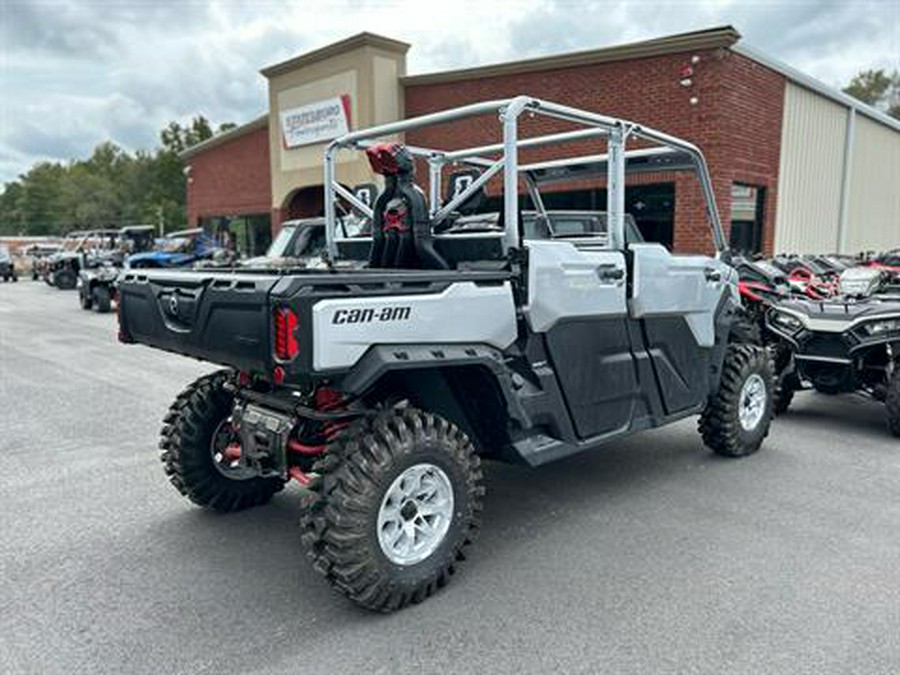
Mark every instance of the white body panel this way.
pixel 566 282
pixel 675 285
pixel 343 329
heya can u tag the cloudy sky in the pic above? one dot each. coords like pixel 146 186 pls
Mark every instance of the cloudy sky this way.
pixel 76 72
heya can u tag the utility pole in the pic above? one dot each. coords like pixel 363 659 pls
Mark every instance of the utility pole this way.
pixel 160 221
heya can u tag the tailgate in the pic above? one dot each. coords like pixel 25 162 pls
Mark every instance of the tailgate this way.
pixel 220 317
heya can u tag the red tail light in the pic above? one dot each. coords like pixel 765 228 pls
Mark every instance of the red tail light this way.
pixel 286 347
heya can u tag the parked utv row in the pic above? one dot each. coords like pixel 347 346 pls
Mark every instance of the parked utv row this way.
pixel 299 243
pixel 832 324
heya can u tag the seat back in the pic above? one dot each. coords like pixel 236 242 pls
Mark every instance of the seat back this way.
pixel 401 228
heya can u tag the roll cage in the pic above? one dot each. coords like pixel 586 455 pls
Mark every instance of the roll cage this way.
pixel 668 153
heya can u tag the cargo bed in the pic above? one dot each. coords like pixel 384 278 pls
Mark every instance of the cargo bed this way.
pixel 225 316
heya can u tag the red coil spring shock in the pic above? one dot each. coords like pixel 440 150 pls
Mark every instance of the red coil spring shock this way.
pixel 329 400
pixel 325 400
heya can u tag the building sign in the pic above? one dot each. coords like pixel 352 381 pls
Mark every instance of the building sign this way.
pixel 316 122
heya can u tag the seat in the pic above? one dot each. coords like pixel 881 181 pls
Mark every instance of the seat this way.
pixel 401 228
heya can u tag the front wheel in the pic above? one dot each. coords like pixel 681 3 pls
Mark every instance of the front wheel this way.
pixel 201 449
pixel 397 500
pixel 84 298
pixel 65 280
pixel 738 415
pixel 101 299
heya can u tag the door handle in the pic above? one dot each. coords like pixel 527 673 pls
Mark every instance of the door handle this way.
pixel 712 274
pixel 611 273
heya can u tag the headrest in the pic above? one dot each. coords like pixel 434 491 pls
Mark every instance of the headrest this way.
pixel 390 159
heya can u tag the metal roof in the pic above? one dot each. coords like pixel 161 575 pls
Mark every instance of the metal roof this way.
pixel 815 85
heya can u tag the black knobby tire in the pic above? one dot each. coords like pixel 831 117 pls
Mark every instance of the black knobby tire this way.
pixel 720 423
pixel 101 299
pixel 186 443
pixel 85 299
pixel 892 402
pixel 65 280
pixel 786 387
pixel 339 522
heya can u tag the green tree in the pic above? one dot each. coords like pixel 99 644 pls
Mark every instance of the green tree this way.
pixel 877 88
pixel 110 188
pixel 177 138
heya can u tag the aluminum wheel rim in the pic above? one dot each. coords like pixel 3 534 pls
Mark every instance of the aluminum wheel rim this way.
pixel 752 402
pixel 415 514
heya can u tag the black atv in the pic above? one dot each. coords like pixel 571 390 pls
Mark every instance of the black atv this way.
pixel 842 345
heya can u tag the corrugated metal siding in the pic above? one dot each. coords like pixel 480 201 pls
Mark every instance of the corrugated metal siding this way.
pixel 810 173
pixel 873 215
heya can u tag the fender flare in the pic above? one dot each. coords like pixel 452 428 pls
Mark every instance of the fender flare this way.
pixel 381 360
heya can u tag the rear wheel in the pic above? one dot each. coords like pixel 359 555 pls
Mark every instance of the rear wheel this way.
pixel 101 299
pixel 893 402
pixel 397 500
pixel 200 449
pixel 738 415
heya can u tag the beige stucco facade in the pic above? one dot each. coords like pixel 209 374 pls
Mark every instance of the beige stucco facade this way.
pixel 368 69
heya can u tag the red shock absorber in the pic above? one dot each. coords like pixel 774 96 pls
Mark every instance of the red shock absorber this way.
pixel 324 400
pixel 330 400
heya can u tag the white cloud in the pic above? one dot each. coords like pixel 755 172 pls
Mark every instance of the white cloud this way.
pixel 73 74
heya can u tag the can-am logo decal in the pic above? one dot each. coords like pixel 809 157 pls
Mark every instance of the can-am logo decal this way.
pixel 371 314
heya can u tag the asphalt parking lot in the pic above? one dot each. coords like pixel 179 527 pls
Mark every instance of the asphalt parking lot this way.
pixel 650 556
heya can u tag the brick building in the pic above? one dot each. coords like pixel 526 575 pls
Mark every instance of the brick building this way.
pixel 796 165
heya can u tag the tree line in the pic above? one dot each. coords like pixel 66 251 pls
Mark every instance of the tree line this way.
pixel 111 188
